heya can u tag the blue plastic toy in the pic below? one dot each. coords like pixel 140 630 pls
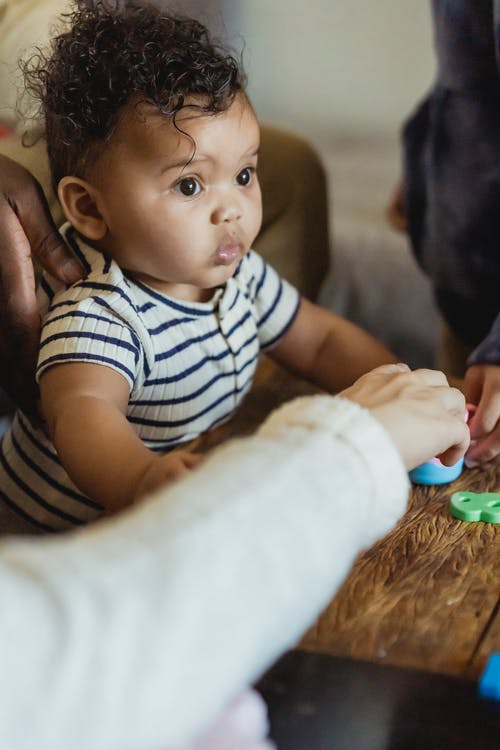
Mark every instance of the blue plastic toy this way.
pixel 489 683
pixel 434 472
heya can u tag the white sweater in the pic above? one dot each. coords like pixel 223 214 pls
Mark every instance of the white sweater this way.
pixel 136 632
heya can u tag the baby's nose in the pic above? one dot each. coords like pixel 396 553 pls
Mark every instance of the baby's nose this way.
pixel 226 211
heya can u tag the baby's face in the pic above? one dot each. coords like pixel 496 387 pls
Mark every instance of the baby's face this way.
pixel 178 223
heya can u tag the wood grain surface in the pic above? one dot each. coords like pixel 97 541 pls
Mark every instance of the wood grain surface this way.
pixel 425 596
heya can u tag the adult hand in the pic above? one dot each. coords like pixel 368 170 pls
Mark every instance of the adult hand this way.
pixel 26 231
pixel 422 414
pixel 482 387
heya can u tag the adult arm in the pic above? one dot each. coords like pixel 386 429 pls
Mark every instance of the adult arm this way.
pixel 136 632
pixel 26 232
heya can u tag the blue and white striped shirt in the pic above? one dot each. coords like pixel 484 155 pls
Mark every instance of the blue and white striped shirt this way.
pixel 188 366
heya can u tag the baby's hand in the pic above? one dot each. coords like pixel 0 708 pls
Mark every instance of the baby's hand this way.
pixel 166 468
pixel 482 387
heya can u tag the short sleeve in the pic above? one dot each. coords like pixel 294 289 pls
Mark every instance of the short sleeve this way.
pixel 87 331
pixel 275 301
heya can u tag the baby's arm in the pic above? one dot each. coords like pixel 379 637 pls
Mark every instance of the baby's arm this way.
pixel 84 406
pixel 327 349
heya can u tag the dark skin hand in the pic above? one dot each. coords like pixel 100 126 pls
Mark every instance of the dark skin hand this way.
pixel 27 232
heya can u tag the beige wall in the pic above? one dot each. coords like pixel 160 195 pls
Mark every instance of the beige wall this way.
pixel 336 63
pixel 23 23
pixel 315 66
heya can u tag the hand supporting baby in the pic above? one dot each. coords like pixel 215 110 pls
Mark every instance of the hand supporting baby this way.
pixel 27 232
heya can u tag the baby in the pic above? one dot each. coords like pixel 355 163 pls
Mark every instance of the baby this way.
pixel 153 146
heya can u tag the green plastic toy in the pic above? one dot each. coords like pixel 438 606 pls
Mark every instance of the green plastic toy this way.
pixel 476 506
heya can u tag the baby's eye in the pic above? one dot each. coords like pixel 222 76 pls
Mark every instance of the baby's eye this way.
pixel 245 176
pixel 188 186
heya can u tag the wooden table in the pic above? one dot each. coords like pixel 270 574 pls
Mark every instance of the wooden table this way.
pixel 427 595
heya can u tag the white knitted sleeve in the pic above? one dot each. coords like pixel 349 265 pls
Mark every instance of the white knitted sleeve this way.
pixel 135 633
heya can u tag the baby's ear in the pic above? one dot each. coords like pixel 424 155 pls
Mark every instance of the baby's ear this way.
pixel 79 202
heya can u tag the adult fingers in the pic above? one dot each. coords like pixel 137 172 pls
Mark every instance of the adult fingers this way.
pixel 445 410
pixel 487 398
pixel 27 231
pixel 19 319
pixel 390 369
pixel 43 239
pixel 486 416
pixel 485 430
pixel 473 384
pixel 17 278
pixel 452 400
pixel 430 377
pixel 455 452
pixel 483 450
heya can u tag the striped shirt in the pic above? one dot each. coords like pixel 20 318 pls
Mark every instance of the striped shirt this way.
pixel 188 366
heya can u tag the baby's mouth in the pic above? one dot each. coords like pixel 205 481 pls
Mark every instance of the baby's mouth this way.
pixel 228 252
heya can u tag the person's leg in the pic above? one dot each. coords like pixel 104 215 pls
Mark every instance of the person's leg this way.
pixel 295 234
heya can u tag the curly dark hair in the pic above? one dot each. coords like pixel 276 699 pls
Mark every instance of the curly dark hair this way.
pixel 111 55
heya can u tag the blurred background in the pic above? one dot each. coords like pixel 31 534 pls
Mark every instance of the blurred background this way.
pixel 335 65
